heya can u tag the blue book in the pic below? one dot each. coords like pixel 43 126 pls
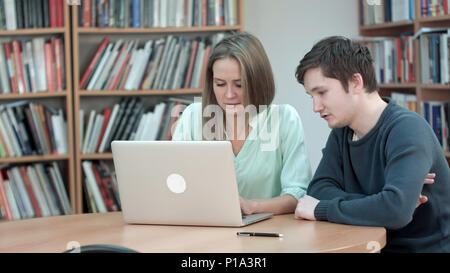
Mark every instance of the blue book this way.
pixel 136 13
pixel 437 121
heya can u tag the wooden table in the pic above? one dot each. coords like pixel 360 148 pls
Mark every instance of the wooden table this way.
pixel 53 234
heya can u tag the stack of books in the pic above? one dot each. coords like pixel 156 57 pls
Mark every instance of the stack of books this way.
pixel 35 190
pixel 28 128
pixel 167 63
pixel 30 66
pixel 19 14
pixel 157 13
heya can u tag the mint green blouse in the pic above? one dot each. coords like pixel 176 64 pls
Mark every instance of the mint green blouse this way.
pixel 273 160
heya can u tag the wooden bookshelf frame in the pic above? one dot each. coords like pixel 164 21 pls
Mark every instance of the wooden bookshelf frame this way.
pixel 79 32
pixel 69 179
pixel 424 92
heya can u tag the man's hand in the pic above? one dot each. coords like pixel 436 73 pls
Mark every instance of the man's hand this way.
pixel 305 208
pixel 428 180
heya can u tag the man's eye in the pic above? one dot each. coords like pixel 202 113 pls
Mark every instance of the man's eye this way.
pixel 238 85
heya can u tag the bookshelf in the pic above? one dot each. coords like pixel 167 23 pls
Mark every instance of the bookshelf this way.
pixel 61 99
pixel 424 92
pixel 86 41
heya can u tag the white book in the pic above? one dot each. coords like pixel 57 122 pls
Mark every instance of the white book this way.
pixel 4 78
pixel 66 202
pixel 155 63
pixel 136 56
pixel 443 49
pixel 181 65
pixel 198 66
pixel 88 132
pixel 48 193
pixel 140 70
pixel 96 133
pixel 58 128
pixel 152 124
pixel 166 63
pixel 387 61
pixel 16 178
pixel 38 191
pixel 121 59
pixel 170 68
pixel 12 138
pixel 179 13
pixel 169 43
pixel 31 66
pixel 7 138
pixel 81 118
pixel 107 69
pixel 39 64
pixel 10 14
pixel 424 59
pixel 111 121
pixel 100 67
pixel 141 127
pixel 156 22
pixel 93 186
pixel 189 13
pixel 12 200
pixel 163 20
pixel 400 10
pixel 59 192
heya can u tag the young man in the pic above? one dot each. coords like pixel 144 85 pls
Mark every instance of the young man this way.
pixel 376 157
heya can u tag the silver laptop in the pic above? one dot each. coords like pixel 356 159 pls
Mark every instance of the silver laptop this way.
pixel 179 183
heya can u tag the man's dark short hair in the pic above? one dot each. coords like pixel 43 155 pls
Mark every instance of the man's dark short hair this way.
pixel 339 58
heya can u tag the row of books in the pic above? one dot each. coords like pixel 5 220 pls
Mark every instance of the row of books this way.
pixel 383 11
pixel 100 187
pixel 167 63
pixel 393 59
pixel 430 8
pixel 20 14
pixel 28 128
pixel 128 120
pixel 29 66
pixel 438 115
pixel 435 57
pixel 408 101
pixel 35 190
pixel 157 13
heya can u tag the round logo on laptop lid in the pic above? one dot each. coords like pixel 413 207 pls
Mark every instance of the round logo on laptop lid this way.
pixel 176 183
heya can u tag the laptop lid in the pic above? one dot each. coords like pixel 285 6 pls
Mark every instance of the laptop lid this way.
pixel 178 183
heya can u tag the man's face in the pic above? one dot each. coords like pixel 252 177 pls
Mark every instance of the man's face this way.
pixel 330 99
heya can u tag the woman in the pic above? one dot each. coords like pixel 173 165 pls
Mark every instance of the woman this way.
pixel 271 162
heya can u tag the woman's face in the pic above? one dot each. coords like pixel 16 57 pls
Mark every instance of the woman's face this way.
pixel 227 85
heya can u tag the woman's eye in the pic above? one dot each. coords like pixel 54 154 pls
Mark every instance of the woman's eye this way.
pixel 238 85
pixel 220 84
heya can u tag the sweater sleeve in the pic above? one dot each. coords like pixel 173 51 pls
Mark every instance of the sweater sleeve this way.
pixel 328 180
pixel 408 160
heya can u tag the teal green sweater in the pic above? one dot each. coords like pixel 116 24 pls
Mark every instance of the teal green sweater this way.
pixel 377 180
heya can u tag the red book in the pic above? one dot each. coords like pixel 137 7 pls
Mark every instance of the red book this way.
pixel 4 200
pixel 87 13
pixel 94 60
pixel 26 181
pixel 399 63
pixel 122 70
pixel 102 187
pixel 221 19
pixel 58 62
pixel 11 71
pixel 53 10
pixel 60 13
pixel 106 114
pixel 19 67
pixel 49 67
pixel 191 64
pixel 205 62
pixel 112 77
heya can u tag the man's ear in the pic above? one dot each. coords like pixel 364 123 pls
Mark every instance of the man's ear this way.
pixel 356 84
